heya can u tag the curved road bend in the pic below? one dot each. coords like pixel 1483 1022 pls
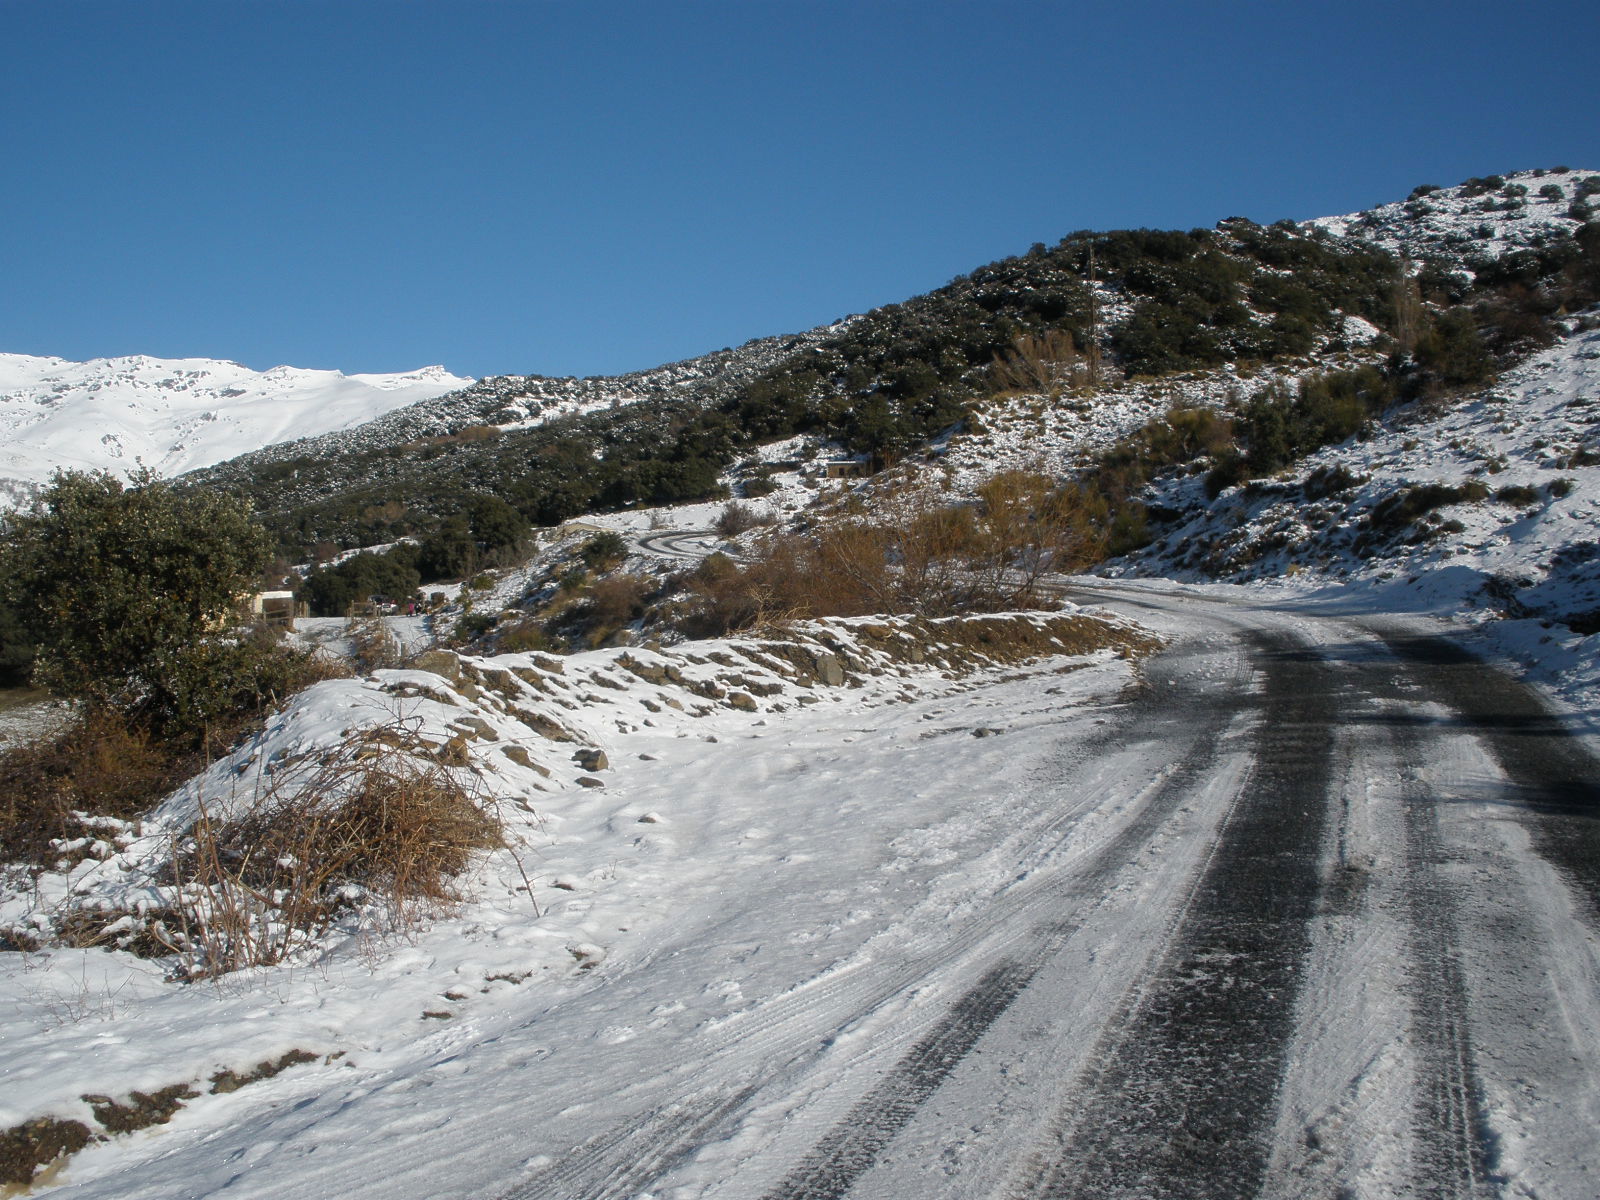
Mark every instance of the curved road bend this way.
pixel 1338 942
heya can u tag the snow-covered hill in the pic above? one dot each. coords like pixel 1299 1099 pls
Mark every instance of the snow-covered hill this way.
pixel 174 415
pixel 1477 221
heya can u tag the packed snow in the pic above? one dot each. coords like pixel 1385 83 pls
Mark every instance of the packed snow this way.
pixel 834 764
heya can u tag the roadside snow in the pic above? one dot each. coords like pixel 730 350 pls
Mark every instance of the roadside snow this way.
pixel 730 766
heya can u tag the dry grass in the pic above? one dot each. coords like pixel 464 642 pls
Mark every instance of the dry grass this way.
pixel 97 765
pixel 913 553
pixel 104 763
pixel 369 826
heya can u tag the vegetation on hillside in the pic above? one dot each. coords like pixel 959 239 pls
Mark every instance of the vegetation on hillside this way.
pixel 127 595
pixel 880 384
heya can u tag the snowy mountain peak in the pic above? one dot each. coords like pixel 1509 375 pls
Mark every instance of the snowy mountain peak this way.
pixel 174 415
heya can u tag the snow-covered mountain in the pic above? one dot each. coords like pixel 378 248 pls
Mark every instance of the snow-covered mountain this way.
pixel 174 415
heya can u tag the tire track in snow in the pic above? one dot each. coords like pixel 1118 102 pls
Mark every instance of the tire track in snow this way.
pixel 1553 778
pixel 1558 786
pixel 765 1050
pixel 851 1147
pixel 1182 1102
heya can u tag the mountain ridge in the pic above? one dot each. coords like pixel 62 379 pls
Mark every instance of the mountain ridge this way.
pixel 174 415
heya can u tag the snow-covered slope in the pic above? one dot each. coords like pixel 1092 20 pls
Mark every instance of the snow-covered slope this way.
pixel 1478 220
pixel 1487 509
pixel 174 415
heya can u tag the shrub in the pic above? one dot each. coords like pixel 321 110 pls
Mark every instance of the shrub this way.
pixel 604 551
pixel 1330 481
pixel 914 553
pixel 387 831
pixel 473 625
pixel 736 518
pixel 96 766
pixel 612 603
pixel 1552 191
pixel 1517 494
pixel 124 589
pixel 526 635
pixel 1406 505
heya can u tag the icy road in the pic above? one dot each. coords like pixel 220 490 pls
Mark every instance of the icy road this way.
pixel 1334 935
pixel 1306 907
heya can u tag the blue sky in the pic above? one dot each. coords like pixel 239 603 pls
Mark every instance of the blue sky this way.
pixel 579 188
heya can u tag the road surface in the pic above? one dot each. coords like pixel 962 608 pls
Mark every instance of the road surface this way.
pixel 1338 941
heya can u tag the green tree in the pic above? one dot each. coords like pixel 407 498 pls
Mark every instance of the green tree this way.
pixel 126 590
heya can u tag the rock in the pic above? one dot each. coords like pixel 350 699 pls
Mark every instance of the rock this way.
pixel 520 756
pixel 439 662
pixel 477 727
pixel 542 725
pixel 650 818
pixel 743 701
pixel 592 760
pixel 589 781
pixel 829 669
pixel 984 731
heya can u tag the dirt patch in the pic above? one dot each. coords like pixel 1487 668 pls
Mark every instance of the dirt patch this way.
pixel 27 1147
pixel 29 1152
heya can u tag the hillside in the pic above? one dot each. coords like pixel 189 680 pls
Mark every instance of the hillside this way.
pixel 1248 859
pixel 881 383
pixel 175 415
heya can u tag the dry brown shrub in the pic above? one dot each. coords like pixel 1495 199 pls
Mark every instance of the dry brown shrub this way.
pixel 1046 364
pixel 912 552
pixel 105 763
pixel 97 765
pixel 370 825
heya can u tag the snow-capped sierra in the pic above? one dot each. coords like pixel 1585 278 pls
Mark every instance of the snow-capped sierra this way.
pixel 174 415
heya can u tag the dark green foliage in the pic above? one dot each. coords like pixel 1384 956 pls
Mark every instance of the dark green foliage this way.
pixel 1200 290
pixel 472 625
pixel 1183 437
pixel 1423 189
pixel 1278 428
pixel 124 589
pixel 604 551
pixel 334 591
pixel 1518 494
pixel 1551 191
pixel 16 646
pixel 1451 355
pixel 885 382
pixel 450 552
pixel 758 486
pixel 1330 481
pixel 208 684
pixel 1404 507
